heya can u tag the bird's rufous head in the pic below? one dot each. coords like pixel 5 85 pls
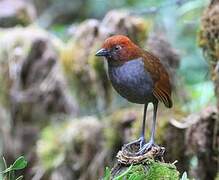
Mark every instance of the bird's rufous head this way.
pixel 119 49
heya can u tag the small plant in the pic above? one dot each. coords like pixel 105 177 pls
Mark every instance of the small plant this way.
pixel 9 172
pixel 107 174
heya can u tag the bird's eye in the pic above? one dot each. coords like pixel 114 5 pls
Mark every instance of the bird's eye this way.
pixel 117 48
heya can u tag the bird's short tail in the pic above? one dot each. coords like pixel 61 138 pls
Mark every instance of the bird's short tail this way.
pixel 169 103
pixel 163 97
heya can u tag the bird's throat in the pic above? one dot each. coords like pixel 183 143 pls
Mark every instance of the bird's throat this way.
pixel 112 62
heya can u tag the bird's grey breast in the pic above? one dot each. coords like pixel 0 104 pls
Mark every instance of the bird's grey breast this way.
pixel 132 81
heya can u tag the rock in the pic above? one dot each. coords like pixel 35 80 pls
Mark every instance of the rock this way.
pixel 84 71
pixel 16 12
pixel 202 144
pixel 75 146
pixel 209 32
pixel 198 134
pixel 33 89
pixel 173 138
pixel 148 169
pixel 82 146
pixel 209 41
pixel 33 86
pixel 121 22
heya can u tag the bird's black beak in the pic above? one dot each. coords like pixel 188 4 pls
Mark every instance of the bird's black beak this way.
pixel 102 52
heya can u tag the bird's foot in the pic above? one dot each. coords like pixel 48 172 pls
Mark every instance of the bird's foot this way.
pixel 140 141
pixel 147 147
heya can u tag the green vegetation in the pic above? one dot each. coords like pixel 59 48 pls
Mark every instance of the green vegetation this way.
pixel 9 172
pixel 151 170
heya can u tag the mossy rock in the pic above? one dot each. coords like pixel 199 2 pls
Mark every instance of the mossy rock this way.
pixel 208 38
pixel 70 140
pixel 149 165
pixel 148 170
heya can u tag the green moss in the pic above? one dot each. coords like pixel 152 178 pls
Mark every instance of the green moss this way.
pixel 50 148
pixel 137 172
pixel 150 170
pixel 158 170
pixel 68 138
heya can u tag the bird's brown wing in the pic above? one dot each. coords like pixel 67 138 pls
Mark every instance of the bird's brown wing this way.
pixel 162 86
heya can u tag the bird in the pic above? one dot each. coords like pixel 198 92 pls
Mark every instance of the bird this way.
pixel 138 76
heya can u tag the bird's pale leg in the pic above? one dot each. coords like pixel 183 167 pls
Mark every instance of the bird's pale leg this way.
pixel 142 137
pixel 141 140
pixel 151 142
pixel 153 125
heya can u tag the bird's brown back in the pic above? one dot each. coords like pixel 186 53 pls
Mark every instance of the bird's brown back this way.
pixel 162 86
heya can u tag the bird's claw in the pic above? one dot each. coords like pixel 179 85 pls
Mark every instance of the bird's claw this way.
pixel 140 141
pixel 146 148
pixel 143 147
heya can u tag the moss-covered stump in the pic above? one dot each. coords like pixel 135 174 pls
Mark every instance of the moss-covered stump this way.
pixel 149 165
pixel 147 170
pixel 208 40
